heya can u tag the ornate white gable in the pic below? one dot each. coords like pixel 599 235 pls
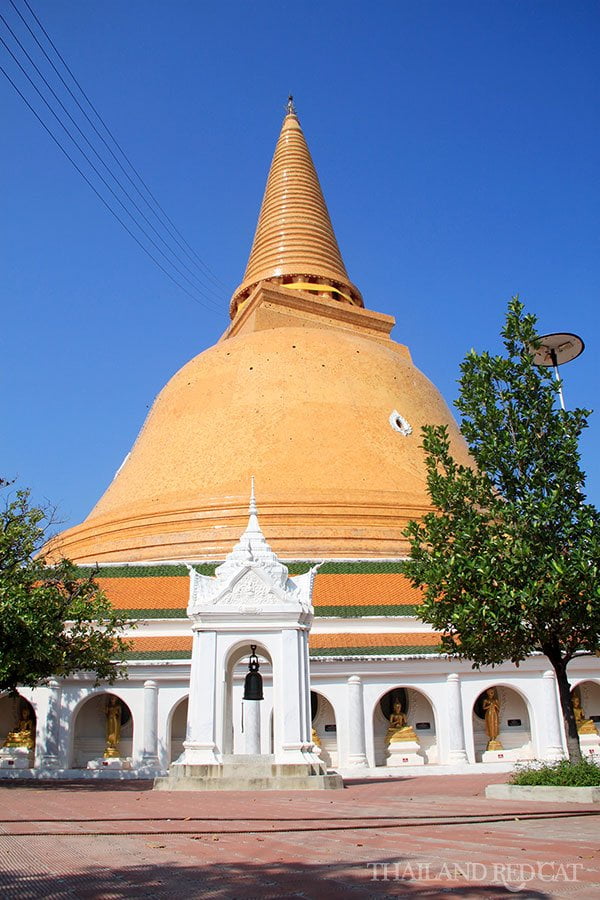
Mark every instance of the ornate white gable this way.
pixel 251 581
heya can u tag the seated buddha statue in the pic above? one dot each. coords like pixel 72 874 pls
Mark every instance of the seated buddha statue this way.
pixel 24 733
pixel 398 729
pixel 584 726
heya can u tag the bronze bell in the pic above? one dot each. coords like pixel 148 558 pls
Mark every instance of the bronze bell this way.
pixel 253 685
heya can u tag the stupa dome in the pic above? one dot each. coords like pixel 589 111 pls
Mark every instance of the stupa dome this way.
pixel 307 392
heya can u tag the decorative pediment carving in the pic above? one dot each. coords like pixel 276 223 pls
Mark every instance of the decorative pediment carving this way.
pixel 249 591
pixel 250 588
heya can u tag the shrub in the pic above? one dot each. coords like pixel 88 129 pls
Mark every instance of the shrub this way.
pixel 559 774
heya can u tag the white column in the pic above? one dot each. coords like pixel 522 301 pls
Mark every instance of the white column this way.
pixel 457 752
pixel 252 726
pixel 306 716
pixel 289 708
pixel 49 756
pixel 150 746
pixel 199 745
pixel 357 755
pixel 552 745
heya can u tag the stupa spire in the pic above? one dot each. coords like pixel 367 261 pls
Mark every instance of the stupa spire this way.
pixel 294 244
pixel 252 548
pixel 252 510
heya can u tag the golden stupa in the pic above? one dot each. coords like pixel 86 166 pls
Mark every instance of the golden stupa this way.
pixel 306 391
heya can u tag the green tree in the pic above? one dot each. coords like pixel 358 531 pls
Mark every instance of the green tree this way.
pixel 508 561
pixel 53 621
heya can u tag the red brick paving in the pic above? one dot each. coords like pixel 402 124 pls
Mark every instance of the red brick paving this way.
pixel 429 836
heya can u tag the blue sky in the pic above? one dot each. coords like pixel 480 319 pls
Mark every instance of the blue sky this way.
pixel 457 146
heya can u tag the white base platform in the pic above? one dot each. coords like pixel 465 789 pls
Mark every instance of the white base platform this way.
pixel 249 773
pixel 404 753
pixel 57 775
pixel 117 763
pixel 513 756
pixel 590 746
pixel 365 773
pixel 350 773
pixel 16 758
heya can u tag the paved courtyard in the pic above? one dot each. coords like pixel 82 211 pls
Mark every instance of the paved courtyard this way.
pixel 433 837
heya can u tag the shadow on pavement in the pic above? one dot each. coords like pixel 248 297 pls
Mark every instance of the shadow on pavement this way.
pixel 105 784
pixel 251 881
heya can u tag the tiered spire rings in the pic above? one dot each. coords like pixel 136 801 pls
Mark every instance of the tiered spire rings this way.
pixel 295 245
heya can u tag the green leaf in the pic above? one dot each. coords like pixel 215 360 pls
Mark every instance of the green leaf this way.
pixel 53 619
pixel 509 561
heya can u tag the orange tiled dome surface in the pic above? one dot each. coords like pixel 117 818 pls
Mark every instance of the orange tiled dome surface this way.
pixel 306 410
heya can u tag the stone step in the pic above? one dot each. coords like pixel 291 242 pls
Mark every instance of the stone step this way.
pixel 252 783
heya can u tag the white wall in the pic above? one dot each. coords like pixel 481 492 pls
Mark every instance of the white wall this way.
pixel 523 692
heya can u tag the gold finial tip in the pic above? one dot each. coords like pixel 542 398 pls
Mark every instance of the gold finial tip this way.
pixel 290 108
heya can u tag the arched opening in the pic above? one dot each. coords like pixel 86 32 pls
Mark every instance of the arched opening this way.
pixel 585 698
pixel 178 729
pixel 17 732
pixel 404 730
pixel 324 728
pixel 236 669
pixel 103 730
pixel 501 727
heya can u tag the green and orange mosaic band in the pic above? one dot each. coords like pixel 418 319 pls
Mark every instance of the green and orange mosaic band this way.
pixel 341 589
pixel 160 648
pixel 400 644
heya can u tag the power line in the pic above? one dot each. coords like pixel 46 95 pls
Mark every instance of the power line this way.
pixel 176 231
pixel 98 194
pixel 200 267
pixel 202 288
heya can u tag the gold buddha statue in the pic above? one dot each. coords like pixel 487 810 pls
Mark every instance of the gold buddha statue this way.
pixel 24 732
pixel 113 727
pixel 315 738
pixel 398 730
pixel 491 709
pixel 584 726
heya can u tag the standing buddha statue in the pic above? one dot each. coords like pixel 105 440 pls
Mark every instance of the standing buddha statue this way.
pixel 113 727
pixel 491 708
